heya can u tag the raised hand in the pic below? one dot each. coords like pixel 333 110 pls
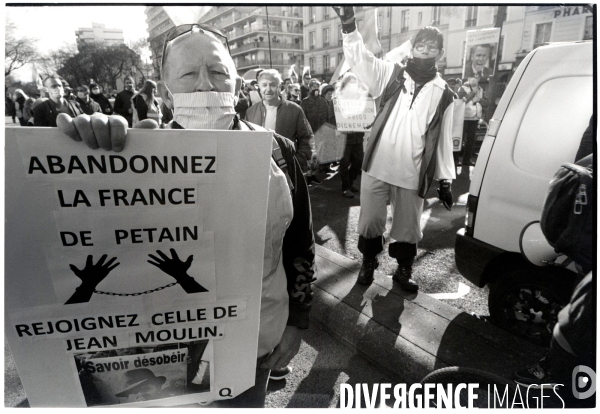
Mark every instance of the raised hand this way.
pixel 177 269
pixel 345 13
pixel 171 266
pixel 91 275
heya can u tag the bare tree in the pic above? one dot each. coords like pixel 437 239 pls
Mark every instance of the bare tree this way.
pixel 18 51
pixel 92 60
pixel 142 47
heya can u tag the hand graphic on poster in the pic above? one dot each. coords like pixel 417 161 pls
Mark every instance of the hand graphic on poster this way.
pixel 178 270
pixel 91 275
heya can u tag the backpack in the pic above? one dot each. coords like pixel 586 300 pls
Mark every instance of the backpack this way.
pixel 568 213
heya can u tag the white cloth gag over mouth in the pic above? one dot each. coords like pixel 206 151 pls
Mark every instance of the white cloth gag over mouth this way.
pixel 204 110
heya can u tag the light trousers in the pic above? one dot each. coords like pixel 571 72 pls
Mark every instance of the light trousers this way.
pixel 406 205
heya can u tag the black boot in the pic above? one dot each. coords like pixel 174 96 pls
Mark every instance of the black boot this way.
pixel 405 254
pixel 367 270
pixel 370 248
pixel 403 275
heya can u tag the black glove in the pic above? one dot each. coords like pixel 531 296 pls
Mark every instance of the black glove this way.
pixel 346 14
pixel 445 194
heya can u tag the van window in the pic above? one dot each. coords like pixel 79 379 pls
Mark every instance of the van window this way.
pixel 556 118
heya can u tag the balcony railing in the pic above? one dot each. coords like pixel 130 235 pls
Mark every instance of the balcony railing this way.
pixel 470 22
pixel 325 44
pixel 262 62
pixel 265 45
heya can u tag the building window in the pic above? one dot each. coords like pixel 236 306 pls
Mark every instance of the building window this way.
pixel 311 64
pixel 501 49
pixel 542 34
pixel 340 38
pixel 311 40
pixel 326 13
pixel 325 63
pixel 340 57
pixel 588 31
pixel 471 19
pixel 420 19
pixel 405 18
pixel 311 14
pixel 326 37
pixel 437 12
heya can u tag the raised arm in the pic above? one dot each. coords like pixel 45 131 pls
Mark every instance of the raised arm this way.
pixel 373 72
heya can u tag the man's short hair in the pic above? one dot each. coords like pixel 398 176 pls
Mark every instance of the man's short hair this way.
pixel 287 79
pixel 483 45
pixel 432 34
pixel 128 78
pixel 83 88
pixel 270 72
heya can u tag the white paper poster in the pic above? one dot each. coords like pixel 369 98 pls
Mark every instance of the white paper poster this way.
pixel 126 281
pixel 481 52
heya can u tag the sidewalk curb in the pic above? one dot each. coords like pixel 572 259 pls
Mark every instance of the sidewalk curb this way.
pixel 408 335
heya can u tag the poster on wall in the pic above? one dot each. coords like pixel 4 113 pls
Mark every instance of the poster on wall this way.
pixel 126 281
pixel 481 52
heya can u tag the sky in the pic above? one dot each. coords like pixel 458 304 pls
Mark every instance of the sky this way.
pixel 56 25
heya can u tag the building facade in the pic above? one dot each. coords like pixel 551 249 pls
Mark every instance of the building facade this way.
pixel 99 33
pixel 311 35
pixel 261 37
pixel 544 24
pixel 159 23
pixel 323 38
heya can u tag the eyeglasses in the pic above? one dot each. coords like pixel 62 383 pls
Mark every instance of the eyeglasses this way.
pixel 421 47
pixel 186 28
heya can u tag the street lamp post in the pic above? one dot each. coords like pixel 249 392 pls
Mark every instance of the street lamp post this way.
pixel 269 36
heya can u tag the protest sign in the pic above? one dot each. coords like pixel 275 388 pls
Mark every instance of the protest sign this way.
pixel 354 115
pixel 329 144
pixel 481 52
pixel 458 121
pixel 134 278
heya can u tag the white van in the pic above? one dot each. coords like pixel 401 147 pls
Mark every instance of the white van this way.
pixel 536 127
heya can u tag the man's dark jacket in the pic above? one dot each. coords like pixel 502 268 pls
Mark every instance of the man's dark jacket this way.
pixel 90 107
pixel 291 123
pixel 45 112
pixel 123 105
pixel 103 102
pixel 298 248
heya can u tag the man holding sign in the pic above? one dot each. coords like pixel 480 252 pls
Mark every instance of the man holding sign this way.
pixel 410 145
pixel 200 83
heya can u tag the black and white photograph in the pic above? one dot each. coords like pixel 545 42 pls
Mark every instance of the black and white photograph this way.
pixel 146 373
pixel 379 205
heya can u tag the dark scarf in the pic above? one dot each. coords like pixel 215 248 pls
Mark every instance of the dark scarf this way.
pixel 97 97
pixel 421 70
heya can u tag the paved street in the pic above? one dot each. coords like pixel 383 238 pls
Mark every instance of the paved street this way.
pixel 335 222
